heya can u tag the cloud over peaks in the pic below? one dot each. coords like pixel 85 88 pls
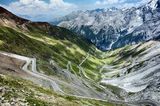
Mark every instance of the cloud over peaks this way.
pixel 37 8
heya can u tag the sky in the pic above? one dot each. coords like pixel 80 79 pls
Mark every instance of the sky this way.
pixel 48 10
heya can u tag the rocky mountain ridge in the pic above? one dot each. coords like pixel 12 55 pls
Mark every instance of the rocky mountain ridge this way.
pixel 114 28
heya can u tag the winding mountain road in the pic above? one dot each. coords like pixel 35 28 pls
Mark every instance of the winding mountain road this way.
pixel 33 72
pixel 81 70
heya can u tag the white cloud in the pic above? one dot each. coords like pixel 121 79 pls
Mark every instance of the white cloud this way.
pixel 25 1
pixel 105 2
pixel 37 8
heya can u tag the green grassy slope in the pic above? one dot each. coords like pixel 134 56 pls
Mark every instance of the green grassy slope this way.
pixel 62 48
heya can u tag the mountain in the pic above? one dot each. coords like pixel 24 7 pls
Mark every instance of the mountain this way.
pixel 53 67
pixel 114 28
pixel 46 65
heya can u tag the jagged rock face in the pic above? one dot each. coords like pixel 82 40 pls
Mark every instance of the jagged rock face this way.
pixel 158 4
pixel 113 28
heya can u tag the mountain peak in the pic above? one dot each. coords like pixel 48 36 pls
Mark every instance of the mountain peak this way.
pixel 103 9
pixel 99 10
pixel 154 4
